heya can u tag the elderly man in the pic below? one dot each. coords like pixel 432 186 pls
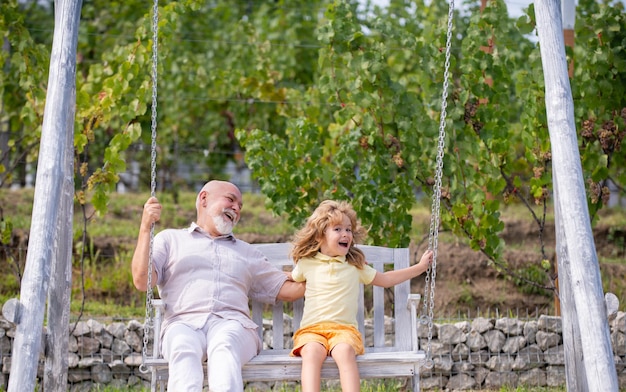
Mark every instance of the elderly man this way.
pixel 205 277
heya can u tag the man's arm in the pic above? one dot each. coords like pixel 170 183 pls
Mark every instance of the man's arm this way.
pixel 151 214
pixel 291 291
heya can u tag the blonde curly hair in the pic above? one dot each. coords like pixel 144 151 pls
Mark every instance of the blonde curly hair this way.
pixel 308 239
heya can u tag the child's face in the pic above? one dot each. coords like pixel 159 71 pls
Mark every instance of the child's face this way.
pixel 337 238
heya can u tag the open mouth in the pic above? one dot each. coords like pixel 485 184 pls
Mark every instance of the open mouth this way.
pixel 344 244
pixel 230 215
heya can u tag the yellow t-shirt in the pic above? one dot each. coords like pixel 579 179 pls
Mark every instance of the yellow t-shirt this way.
pixel 332 288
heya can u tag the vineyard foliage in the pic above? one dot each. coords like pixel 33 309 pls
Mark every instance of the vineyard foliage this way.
pixel 324 99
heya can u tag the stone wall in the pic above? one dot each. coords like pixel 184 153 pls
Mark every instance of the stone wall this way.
pixel 492 353
pixel 98 354
pixel 482 353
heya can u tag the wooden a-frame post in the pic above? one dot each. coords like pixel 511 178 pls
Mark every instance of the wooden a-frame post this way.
pixel 588 354
pixel 48 264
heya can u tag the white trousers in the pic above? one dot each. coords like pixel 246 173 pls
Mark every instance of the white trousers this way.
pixel 226 345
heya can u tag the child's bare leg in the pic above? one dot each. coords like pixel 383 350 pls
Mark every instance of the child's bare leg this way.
pixel 345 357
pixel 313 356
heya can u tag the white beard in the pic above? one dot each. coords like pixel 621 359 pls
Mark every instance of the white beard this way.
pixel 223 225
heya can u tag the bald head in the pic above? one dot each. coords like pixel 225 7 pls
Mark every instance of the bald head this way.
pixel 215 186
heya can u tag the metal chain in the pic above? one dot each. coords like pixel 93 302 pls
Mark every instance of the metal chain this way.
pixel 431 274
pixel 149 323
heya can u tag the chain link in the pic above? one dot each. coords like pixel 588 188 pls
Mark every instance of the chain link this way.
pixel 148 326
pixel 431 274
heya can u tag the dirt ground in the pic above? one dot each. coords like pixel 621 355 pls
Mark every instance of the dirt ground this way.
pixel 467 283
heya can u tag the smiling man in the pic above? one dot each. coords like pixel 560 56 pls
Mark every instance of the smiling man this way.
pixel 206 277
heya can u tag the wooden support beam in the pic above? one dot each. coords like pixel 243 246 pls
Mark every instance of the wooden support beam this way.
pixel 589 338
pixel 50 235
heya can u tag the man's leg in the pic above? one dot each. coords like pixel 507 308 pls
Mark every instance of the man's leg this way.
pixel 230 346
pixel 183 348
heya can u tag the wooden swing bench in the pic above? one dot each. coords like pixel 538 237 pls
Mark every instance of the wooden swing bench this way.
pixel 382 359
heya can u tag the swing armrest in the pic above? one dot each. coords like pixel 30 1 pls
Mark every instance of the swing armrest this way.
pixel 159 310
pixel 413 303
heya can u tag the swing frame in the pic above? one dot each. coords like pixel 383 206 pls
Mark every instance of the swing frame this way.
pixel 374 363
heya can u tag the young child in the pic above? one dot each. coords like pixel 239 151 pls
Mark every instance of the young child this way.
pixel 326 258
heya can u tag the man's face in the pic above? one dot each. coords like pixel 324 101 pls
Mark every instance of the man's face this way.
pixel 223 208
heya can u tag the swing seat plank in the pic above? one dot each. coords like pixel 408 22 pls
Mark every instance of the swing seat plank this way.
pixel 392 349
pixel 271 367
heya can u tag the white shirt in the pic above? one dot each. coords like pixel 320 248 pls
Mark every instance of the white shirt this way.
pixel 198 275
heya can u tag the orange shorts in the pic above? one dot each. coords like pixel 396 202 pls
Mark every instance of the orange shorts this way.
pixel 328 335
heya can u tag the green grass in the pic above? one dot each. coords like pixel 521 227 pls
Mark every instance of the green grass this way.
pixel 366 386
pixel 613 216
pixel 385 385
pixel 124 215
